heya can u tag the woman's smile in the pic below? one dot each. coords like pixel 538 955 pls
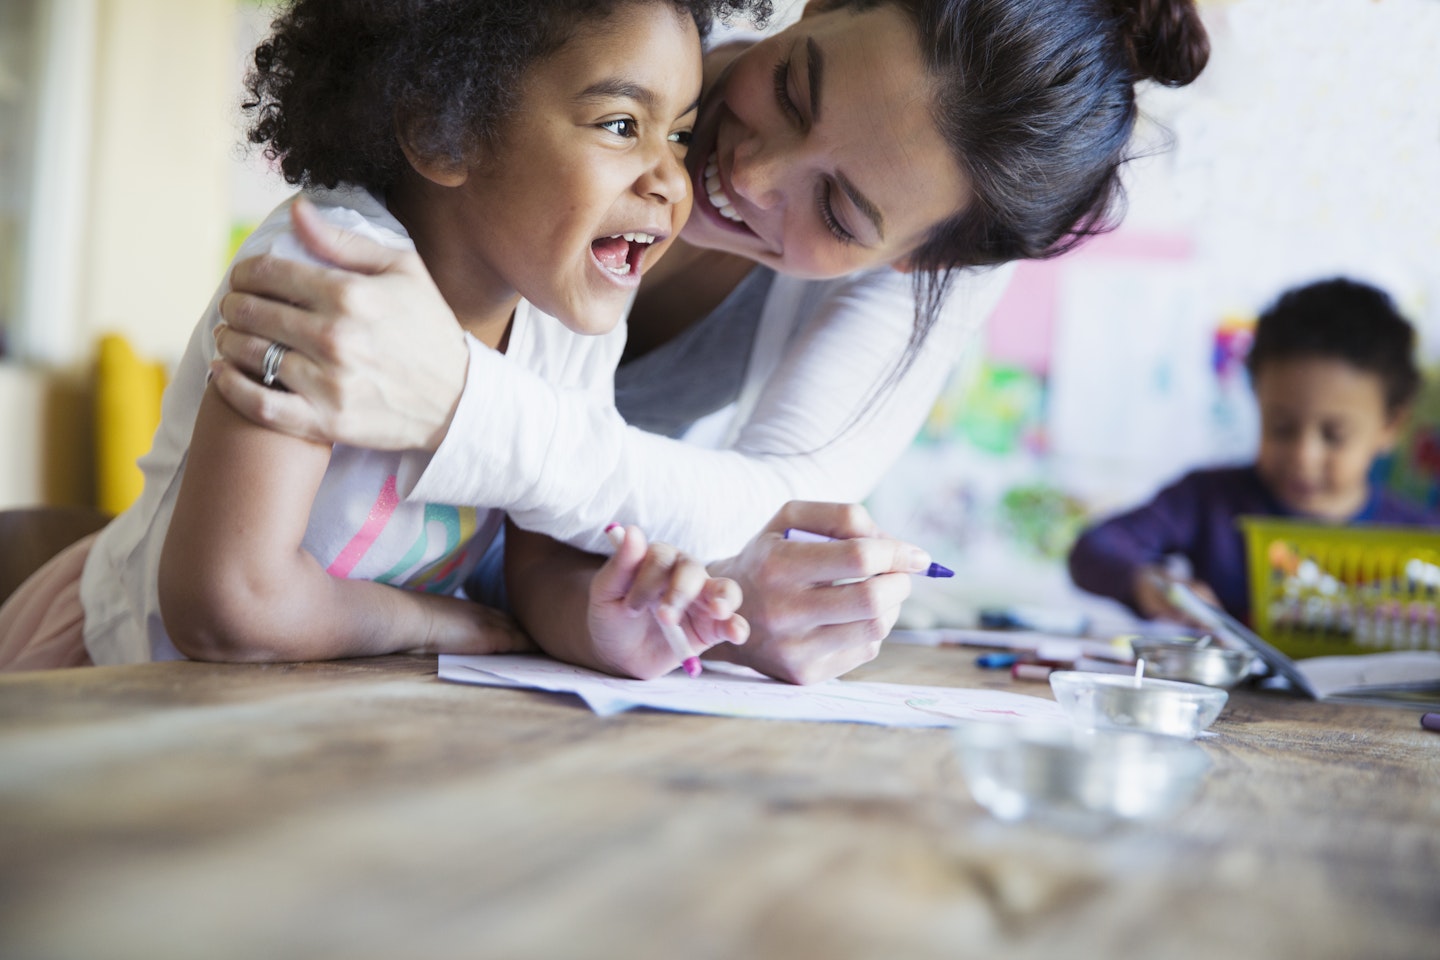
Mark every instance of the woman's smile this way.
pixel 780 174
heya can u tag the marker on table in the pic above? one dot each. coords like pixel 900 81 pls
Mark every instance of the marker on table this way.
pixel 1430 721
pixel 805 536
pixel 674 636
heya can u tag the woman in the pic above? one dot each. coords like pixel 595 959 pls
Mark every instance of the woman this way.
pixel 872 159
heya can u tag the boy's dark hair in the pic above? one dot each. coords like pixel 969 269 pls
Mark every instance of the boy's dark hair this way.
pixel 1343 320
pixel 334 77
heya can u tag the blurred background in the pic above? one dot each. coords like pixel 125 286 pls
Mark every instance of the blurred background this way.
pixel 1309 148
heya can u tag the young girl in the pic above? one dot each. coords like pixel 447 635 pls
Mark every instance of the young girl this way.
pixel 1334 374
pixel 532 154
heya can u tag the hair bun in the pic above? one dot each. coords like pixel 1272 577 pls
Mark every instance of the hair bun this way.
pixel 1166 39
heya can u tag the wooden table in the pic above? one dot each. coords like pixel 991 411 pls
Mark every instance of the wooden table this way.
pixel 366 809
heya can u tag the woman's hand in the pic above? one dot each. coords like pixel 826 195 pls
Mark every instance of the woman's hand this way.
pixel 376 358
pixel 804 626
pixel 641 583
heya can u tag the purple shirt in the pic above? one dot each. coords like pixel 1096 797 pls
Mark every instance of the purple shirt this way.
pixel 1195 518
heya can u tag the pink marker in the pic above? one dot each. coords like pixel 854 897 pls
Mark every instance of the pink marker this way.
pixel 674 636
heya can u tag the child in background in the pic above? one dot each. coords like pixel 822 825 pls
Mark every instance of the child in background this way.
pixel 1334 374
pixel 533 155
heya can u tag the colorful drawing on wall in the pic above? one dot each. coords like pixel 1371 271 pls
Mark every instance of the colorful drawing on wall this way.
pixel 999 410
pixel 1042 518
pixel 1413 471
pixel 1233 339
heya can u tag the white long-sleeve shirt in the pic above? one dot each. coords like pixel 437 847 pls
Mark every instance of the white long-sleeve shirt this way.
pixel 562 464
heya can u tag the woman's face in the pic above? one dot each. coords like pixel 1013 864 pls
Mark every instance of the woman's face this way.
pixel 815 152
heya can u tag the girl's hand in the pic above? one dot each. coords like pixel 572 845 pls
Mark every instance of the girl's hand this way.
pixel 461 626
pixel 804 628
pixel 641 582
pixel 376 358
pixel 1152 598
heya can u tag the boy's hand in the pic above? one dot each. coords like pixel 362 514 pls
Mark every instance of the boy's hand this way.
pixel 1153 601
pixel 642 582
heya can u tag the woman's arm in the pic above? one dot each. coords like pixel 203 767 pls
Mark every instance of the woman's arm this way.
pixel 800 439
pixel 236 584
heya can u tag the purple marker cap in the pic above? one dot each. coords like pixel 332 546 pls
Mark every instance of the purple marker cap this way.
pixel 1430 721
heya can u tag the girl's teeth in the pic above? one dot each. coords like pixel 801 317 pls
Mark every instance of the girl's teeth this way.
pixel 718 198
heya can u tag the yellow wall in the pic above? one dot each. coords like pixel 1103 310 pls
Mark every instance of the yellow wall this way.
pixel 155 227
pixel 159 189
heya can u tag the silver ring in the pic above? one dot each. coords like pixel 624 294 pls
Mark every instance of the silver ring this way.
pixel 270 366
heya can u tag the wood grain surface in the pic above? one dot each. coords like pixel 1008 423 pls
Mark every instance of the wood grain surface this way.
pixel 366 809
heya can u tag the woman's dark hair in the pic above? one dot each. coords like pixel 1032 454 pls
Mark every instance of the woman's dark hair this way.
pixel 334 78
pixel 1036 99
pixel 1341 319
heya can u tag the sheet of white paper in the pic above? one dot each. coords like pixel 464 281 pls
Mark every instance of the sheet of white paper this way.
pixel 1397 669
pixel 728 691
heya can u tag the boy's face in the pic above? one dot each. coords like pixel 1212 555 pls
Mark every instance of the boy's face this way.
pixel 588 187
pixel 1322 424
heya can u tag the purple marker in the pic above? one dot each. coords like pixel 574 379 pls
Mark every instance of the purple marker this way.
pixel 805 536
pixel 1430 721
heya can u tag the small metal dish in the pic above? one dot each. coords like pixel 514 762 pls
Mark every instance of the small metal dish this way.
pixel 1154 706
pixel 1073 779
pixel 1212 666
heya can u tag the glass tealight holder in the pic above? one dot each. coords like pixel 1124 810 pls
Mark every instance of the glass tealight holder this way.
pixel 1117 701
pixel 1075 779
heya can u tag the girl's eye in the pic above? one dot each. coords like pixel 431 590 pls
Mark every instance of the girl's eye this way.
pixel 827 214
pixel 681 137
pixel 621 127
pixel 782 91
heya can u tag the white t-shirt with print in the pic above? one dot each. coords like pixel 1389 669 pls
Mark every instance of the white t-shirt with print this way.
pixel 360 525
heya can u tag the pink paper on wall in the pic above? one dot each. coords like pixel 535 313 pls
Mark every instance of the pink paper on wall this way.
pixel 1021 330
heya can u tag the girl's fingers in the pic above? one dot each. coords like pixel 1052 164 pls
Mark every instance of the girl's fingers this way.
pixel 666 579
pixel 615 578
pixel 711 632
pixel 721 597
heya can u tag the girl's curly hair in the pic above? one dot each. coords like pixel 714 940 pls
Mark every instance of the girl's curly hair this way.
pixel 329 83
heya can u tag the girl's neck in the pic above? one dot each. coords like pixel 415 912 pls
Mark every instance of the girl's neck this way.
pixel 483 305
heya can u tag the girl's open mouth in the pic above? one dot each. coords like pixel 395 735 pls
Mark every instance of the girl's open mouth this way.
pixel 623 253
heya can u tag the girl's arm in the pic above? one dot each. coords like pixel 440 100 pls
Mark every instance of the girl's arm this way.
pixel 236 584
